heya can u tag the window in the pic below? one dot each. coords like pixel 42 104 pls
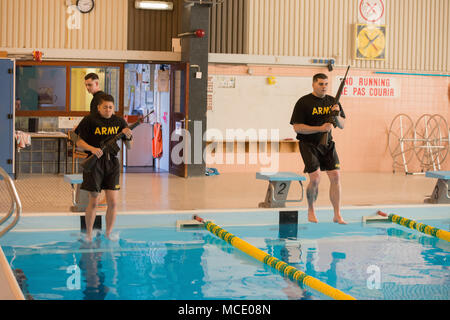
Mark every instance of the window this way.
pixel 41 88
pixel 80 99
pixel 57 88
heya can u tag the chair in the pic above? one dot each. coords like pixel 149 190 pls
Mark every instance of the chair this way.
pixel 72 150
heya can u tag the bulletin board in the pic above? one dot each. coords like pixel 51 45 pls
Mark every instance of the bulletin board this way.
pixel 250 102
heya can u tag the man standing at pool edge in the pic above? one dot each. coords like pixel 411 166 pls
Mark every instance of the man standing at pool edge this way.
pixel 94 130
pixel 310 122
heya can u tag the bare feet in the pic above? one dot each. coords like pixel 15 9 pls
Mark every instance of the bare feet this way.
pixel 312 216
pixel 339 220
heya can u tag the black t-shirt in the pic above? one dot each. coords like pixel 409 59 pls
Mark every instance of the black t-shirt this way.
pixel 94 129
pixel 95 101
pixel 313 111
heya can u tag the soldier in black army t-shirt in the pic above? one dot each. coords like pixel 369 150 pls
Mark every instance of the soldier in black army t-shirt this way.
pixel 309 120
pixel 92 131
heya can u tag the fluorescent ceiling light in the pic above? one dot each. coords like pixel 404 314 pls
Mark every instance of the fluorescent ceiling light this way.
pixel 153 5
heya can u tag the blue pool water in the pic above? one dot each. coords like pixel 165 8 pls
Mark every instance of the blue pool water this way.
pixel 151 259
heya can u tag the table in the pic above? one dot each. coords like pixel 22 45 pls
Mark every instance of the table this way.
pixel 57 135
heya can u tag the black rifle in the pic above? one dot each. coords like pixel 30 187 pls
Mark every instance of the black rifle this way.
pixel 109 145
pixel 333 114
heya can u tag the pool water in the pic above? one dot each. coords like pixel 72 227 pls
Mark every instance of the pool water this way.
pixel 373 261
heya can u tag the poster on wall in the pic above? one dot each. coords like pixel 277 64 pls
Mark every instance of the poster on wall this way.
pixel 163 80
pixel 371 11
pixel 370 42
pixel 226 82
pixel 68 122
pixel 369 87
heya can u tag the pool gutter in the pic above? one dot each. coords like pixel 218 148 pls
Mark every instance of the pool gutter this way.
pixel 9 288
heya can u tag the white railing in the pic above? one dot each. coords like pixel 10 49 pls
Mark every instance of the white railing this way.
pixel 16 205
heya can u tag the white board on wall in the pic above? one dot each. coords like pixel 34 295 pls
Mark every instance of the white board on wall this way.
pixel 251 103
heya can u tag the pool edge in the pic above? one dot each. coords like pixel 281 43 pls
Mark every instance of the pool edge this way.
pixel 9 288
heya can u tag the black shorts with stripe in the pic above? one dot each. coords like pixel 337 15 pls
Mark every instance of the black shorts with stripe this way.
pixel 317 156
pixel 105 175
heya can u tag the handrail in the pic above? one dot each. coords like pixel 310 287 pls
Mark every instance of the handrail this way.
pixel 16 205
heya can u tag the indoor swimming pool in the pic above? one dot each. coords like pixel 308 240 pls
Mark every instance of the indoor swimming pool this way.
pixel 150 259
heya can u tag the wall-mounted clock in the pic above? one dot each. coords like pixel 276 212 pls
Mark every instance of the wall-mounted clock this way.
pixel 370 42
pixel 85 6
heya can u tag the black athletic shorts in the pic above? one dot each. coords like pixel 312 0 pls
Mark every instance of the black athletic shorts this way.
pixel 104 175
pixel 315 157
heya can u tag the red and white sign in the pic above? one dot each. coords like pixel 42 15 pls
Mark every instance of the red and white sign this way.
pixel 369 87
pixel 371 11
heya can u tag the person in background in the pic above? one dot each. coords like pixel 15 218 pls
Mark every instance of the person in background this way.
pixel 91 81
pixel 18 102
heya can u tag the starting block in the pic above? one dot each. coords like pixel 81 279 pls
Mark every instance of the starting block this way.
pixel 278 189
pixel 441 190
pixel 80 198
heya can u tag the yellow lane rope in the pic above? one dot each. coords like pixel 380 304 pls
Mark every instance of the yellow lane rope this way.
pixel 288 271
pixel 409 223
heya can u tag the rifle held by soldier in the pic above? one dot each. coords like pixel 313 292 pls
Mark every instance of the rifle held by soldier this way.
pixel 333 114
pixel 109 145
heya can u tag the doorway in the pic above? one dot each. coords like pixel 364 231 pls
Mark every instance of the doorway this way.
pixel 144 94
pixel 163 90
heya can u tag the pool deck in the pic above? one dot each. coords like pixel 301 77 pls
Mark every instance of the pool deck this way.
pixel 162 192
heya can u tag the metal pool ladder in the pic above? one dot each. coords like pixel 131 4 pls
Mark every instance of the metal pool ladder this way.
pixel 16 205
